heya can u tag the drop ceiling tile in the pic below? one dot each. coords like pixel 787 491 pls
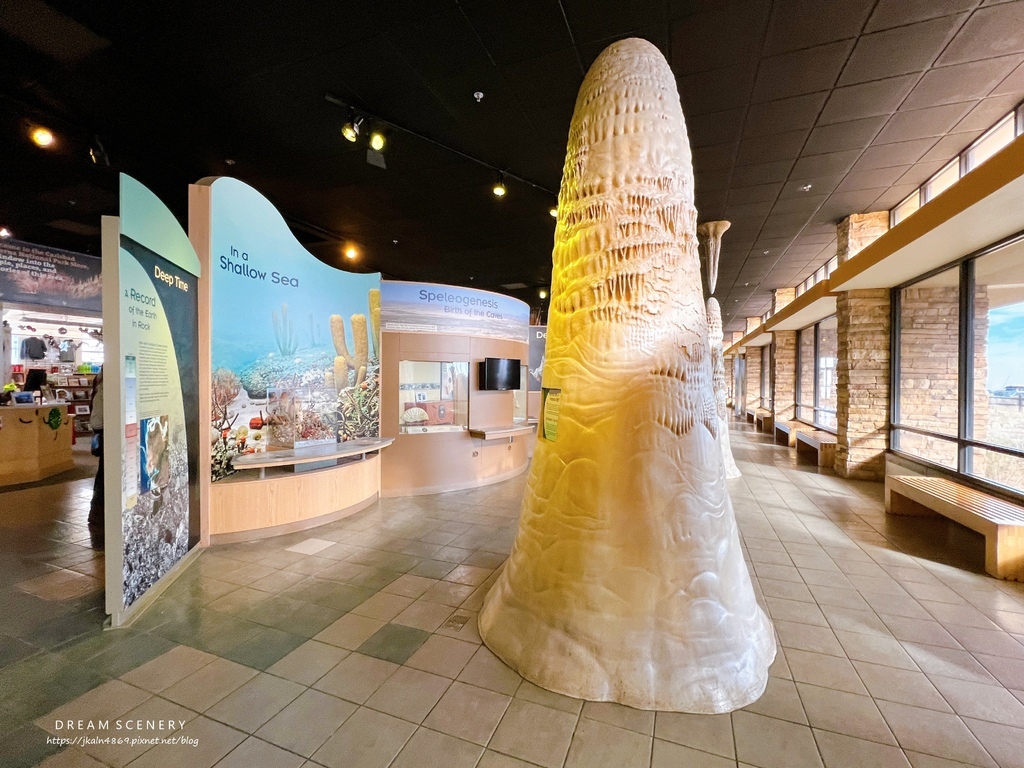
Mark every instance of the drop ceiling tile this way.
pixel 807 204
pixel 748 211
pixel 812 166
pixel 735 28
pixel 899 153
pixel 516 32
pixel 879 97
pixel 987 113
pixel 614 18
pixel 960 82
pixel 899 51
pixel 922 123
pixel 948 147
pixel 989 32
pixel 820 185
pixel 714 158
pixel 842 204
pixel 716 90
pixel 783 115
pixel 762 173
pixel 558 70
pixel 797 24
pixel 855 134
pixel 893 197
pixel 919 173
pixel 715 127
pixel 1013 84
pixel 791 222
pixel 798 72
pixel 764 149
pixel 897 13
pixel 757 194
pixel 874 179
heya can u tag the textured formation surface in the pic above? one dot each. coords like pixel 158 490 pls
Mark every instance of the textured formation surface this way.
pixel 719 386
pixel 711 232
pixel 626 581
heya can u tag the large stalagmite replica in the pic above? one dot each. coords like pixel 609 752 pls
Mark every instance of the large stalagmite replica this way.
pixel 718 386
pixel 626 581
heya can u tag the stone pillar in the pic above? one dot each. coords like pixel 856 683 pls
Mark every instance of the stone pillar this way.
pixel 730 391
pixel 784 376
pixel 752 324
pixel 753 378
pixel 781 297
pixel 859 230
pixel 736 336
pixel 862 374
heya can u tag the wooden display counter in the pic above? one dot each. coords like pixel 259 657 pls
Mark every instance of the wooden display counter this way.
pixel 30 448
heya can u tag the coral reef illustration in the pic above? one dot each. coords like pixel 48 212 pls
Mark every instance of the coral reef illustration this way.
pixel 626 581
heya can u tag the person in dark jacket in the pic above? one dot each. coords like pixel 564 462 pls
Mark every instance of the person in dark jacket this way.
pixel 96 523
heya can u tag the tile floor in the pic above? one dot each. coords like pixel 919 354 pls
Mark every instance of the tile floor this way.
pixel 355 646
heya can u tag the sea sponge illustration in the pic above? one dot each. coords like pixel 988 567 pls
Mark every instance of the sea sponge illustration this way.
pixel 349 361
pixel 626 581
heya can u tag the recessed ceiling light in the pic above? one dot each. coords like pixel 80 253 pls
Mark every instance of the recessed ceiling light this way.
pixel 478 95
pixel 553 212
pixel 395 242
pixel 542 293
pixel 806 188
pixel 5 232
pixel 229 161
pixel 41 137
pixel 351 252
pixel 746 284
pixel 765 252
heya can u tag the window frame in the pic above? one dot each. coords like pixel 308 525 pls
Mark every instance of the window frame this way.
pixel 814 407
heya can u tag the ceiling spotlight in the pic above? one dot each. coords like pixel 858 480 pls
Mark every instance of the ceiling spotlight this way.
pixel 351 252
pixel 98 154
pixel 478 95
pixel 5 232
pixel 350 130
pixel 499 189
pixel 41 137
pixel 229 161
pixel 377 141
pixel 542 293
pixel 806 188
pixel 553 212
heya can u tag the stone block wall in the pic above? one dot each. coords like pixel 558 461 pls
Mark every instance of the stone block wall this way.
pixel 862 371
pixel 784 376
pixel 858 231
pixel 753 357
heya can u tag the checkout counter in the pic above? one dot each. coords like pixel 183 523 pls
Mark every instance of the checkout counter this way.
pixel 35 441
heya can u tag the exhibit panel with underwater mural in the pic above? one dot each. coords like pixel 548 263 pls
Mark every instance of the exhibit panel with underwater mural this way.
pixel 295 342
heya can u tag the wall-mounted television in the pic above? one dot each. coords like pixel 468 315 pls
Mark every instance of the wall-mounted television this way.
pixel 500 373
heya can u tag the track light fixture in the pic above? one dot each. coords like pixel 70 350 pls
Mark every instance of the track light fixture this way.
pixel 499 188
pixel 350 130
pixel 554 212
pixel 5 232
pixel 377 141
pixel 41 137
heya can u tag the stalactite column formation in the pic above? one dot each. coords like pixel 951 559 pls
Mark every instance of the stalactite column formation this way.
pixel 626 581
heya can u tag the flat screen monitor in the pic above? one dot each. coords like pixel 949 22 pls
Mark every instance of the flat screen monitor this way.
pixel 34 380
pixel 500 373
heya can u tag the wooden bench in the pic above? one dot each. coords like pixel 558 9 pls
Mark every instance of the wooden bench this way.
pixel 824 443
pixel 750 415
pixel 784 433
pixel 763 420
pixel 1000 522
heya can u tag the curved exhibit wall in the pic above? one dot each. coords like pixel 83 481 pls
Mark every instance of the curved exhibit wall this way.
pixel 448 430
pixel 293 361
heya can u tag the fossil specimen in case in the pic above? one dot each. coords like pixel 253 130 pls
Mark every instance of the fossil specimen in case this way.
pixel 626 581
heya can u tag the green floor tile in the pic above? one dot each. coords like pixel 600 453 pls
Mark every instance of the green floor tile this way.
pixel 266 648
pixel 309 619
pixel 345 597
pixel 394 642
pixel 26 747
pixel 374 579
pixel 130 654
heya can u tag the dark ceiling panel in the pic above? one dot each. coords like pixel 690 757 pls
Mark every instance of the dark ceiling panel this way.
pixel 716 90
pixel 899 51
pixel 854 134
pixel 784 114
pixel 949 85
pixel 989 32
pixel 897 13
pixel 800 24
pixel 779 146
pixel 736 28
pixel 812 166
pixel 899 153
pixel 922 123
pixel 806 71
pixel 762 173
pixel 758 194
pixel 514 32
pixel 987 113
pixel 880 177
pixel 715 127
pixel 614 19
pixel 880 97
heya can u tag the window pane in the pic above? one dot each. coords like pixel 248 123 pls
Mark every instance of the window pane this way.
pixel 432 397
pixel 828 352
pixel 805 390
pixel 907 207
pixel 928 376
pixel 942 181
pixel 988 145
pixel 934 449
pixel 999 468
pixel 766 377
pixel 999 357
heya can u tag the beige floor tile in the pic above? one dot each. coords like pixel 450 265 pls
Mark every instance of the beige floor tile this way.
pixel 309 662
pixel 71 758
pixel 448 593
pixel 927 631
pixel 981 702
pixel 106 702
pixel 491 759
pixel 356 677
pixel 839 751
pixel 847 713
pixel 424 615
pixel 824 670
pixel 368 739
pixel 853 620
pixel 706 733
pixel 468 713
pixel 780 666
pixel 470 575
pixel 1005 743
pixel 769 743
pixel 154 708
pixel 350 631
pixel 1009 672
pixel 795 610
pixel 208 685
pixel 788 590
pixel 168 668
pixel 255 702
pixel 876 650
pixel 934 733
pixel 443 656
pixel 486 670
pixel 805 637
pixel 920 760
pixel 254 753
pixel 995 642
pixel 310 546
pixel 409 694
pixel 948 662
pixel 780 699
pixel 624 717
pixel 534 733
pixel 669 755
pixel 903 686
pixel 530 692
pixel 600 745
pixel 214 741
pixel 305 724
pixel 60 585
pixel 383 606
pixel 430 749
pixel 962 615
pixel 408 585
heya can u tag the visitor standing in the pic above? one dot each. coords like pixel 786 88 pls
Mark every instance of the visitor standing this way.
pixel 96 524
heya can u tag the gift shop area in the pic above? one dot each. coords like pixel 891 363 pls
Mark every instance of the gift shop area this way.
pixel 336 271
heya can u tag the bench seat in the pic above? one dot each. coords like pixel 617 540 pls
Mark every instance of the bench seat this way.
pixel 1000 522
pixel 824 443
pixel 763 420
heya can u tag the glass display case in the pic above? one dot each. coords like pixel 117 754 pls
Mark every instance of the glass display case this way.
pixel 433 396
